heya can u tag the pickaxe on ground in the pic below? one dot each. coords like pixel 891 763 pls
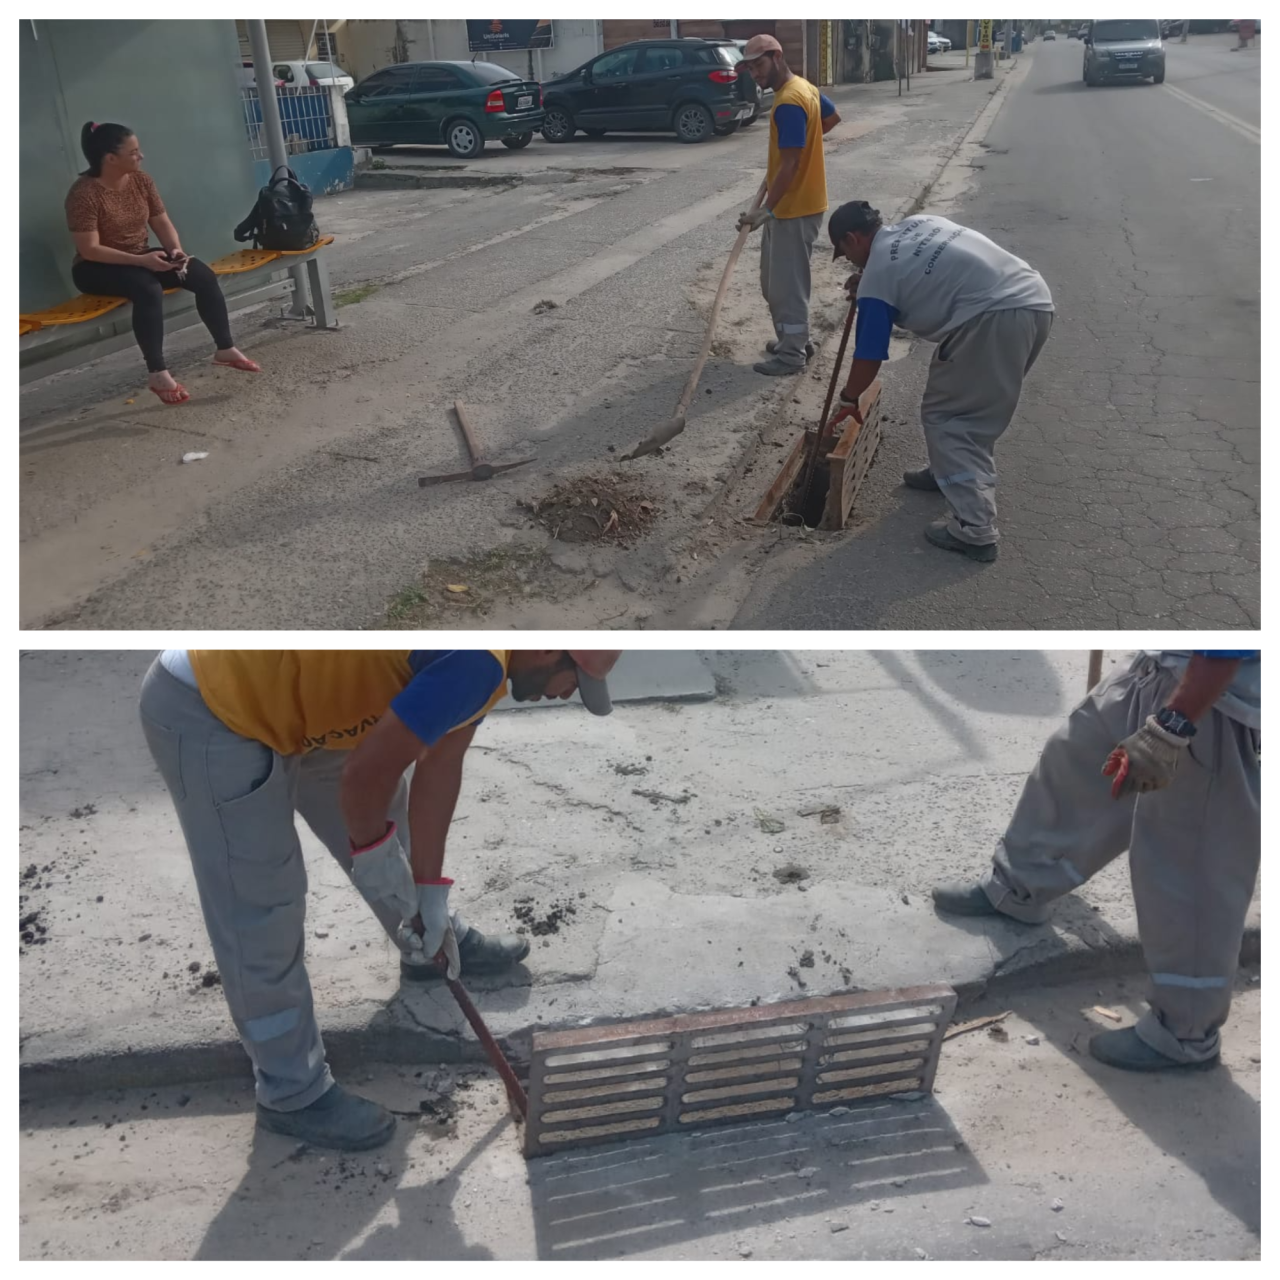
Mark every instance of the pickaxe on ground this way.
pixel 480 469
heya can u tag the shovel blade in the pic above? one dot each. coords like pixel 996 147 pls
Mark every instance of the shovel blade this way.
pixel 657 438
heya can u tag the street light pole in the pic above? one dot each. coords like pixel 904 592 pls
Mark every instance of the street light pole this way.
pixel 274 130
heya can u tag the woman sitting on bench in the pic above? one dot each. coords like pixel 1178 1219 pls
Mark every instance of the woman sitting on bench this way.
pixel 109 209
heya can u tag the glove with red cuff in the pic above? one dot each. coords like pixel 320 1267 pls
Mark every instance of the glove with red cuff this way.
pixel 382 873
pixel 428 929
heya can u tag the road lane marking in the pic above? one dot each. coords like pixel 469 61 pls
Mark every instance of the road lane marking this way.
pixel 1222 117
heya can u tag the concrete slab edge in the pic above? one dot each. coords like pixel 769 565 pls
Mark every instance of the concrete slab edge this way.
pixel 394 179
pixel 379 1040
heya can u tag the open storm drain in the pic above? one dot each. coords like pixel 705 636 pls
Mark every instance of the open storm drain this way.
pixel 637 1079
pixel 828 503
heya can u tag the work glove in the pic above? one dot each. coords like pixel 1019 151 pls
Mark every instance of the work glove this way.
pixel 427 928
pixel 382 873
pixel 754 219
pixel 1145 761
pixel 846 408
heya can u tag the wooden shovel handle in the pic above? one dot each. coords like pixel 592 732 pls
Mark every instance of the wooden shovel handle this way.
pixel 686 396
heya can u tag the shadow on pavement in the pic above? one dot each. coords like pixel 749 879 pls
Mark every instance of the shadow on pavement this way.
pixel 275 1214
pixel 1205 1120
pixel 1033 687
pixel 633 1197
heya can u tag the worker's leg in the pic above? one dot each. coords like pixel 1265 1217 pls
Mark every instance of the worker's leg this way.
pixel 975 380
pixel 766 256
pixel 1194 864
pixel 1066 826
pixel 234 799
pixel 787 284
pixel 320 804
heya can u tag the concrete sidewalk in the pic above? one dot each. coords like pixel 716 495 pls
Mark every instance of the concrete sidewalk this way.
pixel 779 840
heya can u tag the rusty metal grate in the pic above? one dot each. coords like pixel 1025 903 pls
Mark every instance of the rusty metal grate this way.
pixel 637 1079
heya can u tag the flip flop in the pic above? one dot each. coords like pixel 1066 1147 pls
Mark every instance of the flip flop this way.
pixel 174 395
pixel 244 365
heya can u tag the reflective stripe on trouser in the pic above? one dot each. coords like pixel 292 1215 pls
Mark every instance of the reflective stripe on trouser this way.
pixel 1193 850
pixel 235 800
pixel 786 245
pixel 975 379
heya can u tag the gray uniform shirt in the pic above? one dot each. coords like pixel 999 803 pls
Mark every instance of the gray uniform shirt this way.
pixel 1242 702
pixel 937 275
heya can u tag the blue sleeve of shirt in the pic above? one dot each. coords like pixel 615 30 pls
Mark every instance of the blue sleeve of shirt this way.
pixel 828 107
pixel 792 124
pixel 872 329
pixel 447 688
pixel 1228 653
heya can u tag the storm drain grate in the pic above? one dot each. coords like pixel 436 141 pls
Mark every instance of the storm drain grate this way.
pixel 637 1079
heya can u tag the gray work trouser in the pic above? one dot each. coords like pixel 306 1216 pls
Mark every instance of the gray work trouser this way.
pixel 975 379
pixel 1194 849
pixel 236 800
pixel 786 245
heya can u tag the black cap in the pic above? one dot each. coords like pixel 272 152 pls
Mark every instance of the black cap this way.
pixel 851 219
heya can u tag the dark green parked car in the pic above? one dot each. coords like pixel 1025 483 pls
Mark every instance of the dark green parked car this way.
pixel 461 104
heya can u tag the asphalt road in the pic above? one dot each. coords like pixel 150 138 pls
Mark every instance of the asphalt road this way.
pixel 1129 481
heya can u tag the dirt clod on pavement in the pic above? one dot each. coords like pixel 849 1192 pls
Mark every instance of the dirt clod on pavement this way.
pixel 791 873
pixel 593 509
pixel 541 921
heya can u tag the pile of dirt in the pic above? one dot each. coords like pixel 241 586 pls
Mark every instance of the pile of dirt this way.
pixel 593 509
pixel 542 921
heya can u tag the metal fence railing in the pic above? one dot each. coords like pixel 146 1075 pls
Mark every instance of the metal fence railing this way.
pixel 306 117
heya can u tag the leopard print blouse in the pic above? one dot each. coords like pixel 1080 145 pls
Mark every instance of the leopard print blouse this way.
pixel 119 217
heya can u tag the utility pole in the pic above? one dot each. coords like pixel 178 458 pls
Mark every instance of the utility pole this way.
pixel 968 41
pixel 274 130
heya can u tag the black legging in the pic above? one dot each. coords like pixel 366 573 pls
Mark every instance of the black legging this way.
pixel 145 289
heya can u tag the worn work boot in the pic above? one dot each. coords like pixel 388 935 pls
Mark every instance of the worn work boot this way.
pixel 963 898
pixel 941 536
pixel 336 1119
pixel 772 346
pixel 776 368
pixel 478 953
pixel 1125 1050
pixel 922 479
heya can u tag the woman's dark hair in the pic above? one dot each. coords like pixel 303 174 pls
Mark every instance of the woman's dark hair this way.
pixel 98 141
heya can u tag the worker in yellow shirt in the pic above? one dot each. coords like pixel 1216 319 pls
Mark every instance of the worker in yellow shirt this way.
pixel 246 739
pixel 795 200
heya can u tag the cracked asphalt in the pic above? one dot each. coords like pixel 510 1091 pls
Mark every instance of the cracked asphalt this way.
pixel 1130 478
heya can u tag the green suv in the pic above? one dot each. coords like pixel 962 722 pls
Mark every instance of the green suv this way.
pixel 461 104
pixel 1123 49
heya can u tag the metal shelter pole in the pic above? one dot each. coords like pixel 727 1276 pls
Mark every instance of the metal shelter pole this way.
pixel 274 130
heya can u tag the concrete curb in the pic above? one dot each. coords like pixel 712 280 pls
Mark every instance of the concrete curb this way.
pixel 376 1033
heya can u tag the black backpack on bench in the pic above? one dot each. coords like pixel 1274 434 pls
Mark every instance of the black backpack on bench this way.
pixel 281 218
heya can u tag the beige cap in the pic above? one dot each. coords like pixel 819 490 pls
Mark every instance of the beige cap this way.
pixel 758 46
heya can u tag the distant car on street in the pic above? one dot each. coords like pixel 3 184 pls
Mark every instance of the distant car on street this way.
pixel 938 43
pixel 300 75
pixel 460 104
pixel 1051 34
pixel 1123 49
pixel 689 87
